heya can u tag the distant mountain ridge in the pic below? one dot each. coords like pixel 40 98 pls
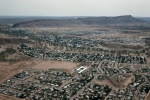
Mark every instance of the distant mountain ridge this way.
pixel 80 21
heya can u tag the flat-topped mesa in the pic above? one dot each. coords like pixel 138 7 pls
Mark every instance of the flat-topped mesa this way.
pixel 89 21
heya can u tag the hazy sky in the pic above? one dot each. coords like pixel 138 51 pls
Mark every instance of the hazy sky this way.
pixel 75 7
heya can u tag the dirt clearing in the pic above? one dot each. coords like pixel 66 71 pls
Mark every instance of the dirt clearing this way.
pixel 6 97
pixel 7 69
pixel 148 96
pixel 128 78
pixel 56 65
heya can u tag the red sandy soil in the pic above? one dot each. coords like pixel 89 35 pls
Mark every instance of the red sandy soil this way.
pixel 1 49
pixel 129 78
pixel 148 96
pixel 8 69
pixel 56 65
pixel 3 35
pixel 6 97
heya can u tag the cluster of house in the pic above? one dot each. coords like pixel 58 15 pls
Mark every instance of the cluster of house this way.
pixel 78 38
pixel 64 56
pixel 138 80
pixel 136 90
pixel 94 92
pixel 27 82
pixel 17 32
pixel 40 85
pixel 18 86
pixel 57 39
pixel 126 41
pixel 125 94
pixel 54 55
pixel 43 85
pixel 67 90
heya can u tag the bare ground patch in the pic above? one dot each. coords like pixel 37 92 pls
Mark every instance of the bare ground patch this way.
pixel 122 84
pixel 6 97
pixel 56 65
pixel 8 69
pixel 148 96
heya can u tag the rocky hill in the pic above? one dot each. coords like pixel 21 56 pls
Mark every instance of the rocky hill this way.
pixel 80 21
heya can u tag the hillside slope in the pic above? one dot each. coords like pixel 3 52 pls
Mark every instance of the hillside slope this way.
pixel 80 21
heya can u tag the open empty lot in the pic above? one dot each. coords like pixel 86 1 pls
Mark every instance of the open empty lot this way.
pixel 9 69
pixel 122 84
pixel 6 97
pixel 68 66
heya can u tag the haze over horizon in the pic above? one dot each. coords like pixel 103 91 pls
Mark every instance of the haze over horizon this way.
pixel 138 8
